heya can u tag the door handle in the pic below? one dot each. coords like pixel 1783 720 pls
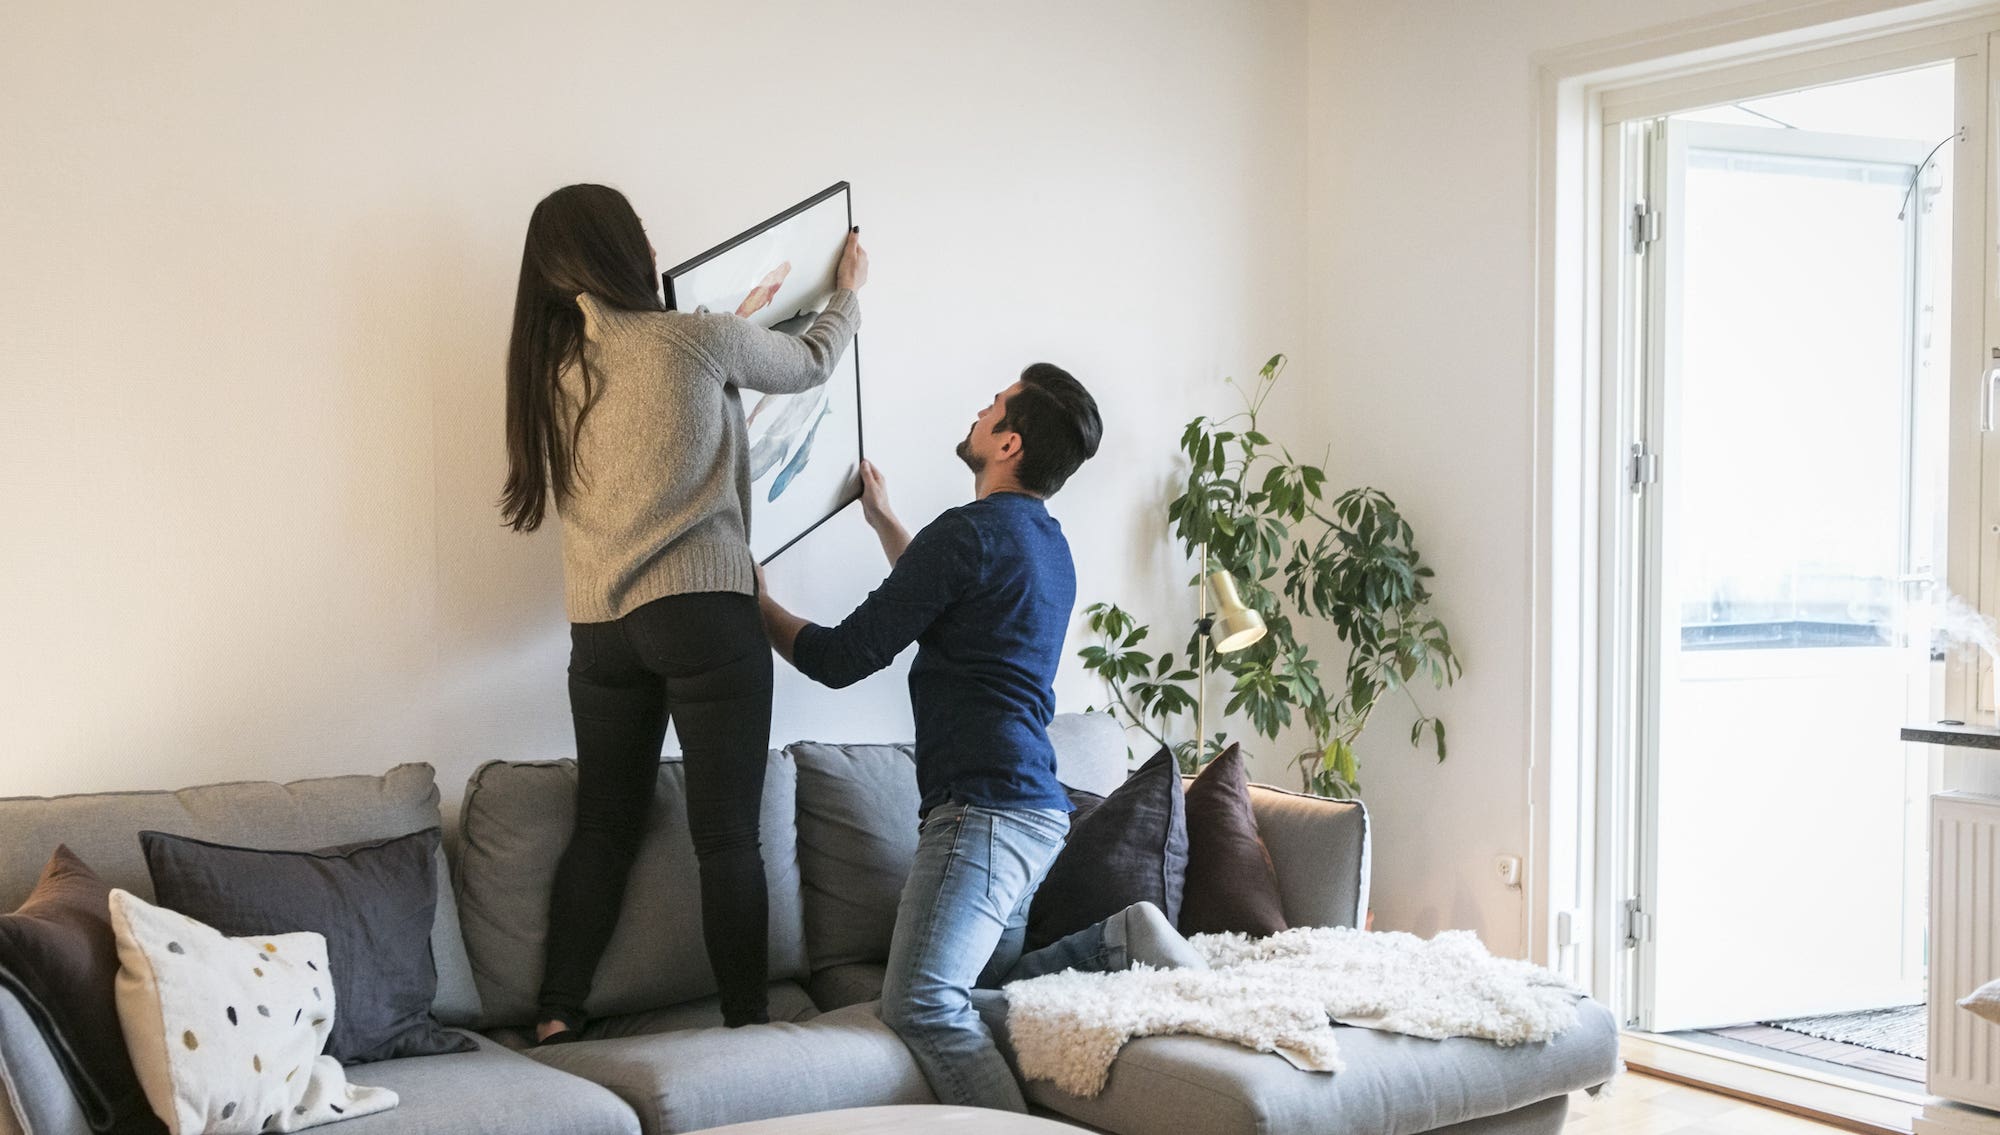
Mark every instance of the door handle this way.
pixel 1989 404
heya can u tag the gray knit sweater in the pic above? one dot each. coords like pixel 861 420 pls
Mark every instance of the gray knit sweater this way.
pixel 661 504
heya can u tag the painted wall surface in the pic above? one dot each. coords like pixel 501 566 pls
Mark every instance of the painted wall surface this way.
pixel 259 267
pixel 1421 300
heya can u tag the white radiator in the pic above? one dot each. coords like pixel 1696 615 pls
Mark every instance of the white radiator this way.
pixel 1964 1062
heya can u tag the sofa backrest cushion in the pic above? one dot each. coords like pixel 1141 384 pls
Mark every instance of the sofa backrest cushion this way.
pixel 1320 849
pixel 858 829
pixel 517 819
pixel 857 840
pixel 304 815
pixel 1091 753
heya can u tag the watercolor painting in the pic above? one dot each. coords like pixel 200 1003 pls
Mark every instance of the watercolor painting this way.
pixel 805 449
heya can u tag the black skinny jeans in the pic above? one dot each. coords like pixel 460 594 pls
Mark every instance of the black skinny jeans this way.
pixel 703 660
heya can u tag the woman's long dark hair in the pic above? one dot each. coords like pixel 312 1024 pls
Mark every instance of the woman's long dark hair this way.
pixel 581 238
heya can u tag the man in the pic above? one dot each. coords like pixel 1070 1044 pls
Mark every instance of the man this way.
pixel 986 592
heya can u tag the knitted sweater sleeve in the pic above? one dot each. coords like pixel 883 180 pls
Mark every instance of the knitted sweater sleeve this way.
pixel 772 362
pixel 931 575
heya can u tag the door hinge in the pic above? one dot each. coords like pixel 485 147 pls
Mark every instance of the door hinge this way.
pixel 1643 469
pixel 1645 226
pixel 1638 924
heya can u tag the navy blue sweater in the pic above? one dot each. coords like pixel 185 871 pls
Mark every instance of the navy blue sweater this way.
pixel 985 591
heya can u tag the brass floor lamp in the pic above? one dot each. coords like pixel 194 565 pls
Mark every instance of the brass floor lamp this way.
pixel 1233 627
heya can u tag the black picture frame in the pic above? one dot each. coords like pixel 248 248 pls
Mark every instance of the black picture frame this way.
pixel 854 347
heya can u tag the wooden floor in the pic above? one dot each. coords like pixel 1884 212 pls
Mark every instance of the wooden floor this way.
pixel 1642 1105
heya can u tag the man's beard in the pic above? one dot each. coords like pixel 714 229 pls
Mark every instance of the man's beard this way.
pixel 972 460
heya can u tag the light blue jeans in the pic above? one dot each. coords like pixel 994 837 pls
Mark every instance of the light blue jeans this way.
pixel 961 926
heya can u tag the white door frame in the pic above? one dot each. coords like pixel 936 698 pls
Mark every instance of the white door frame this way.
pixel 1581 687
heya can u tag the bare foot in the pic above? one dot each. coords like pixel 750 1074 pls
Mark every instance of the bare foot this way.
pixel 547 1029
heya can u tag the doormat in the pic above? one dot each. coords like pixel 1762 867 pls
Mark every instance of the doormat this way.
pixel 1902 1030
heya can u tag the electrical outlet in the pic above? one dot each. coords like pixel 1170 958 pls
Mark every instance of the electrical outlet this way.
pixel 1509 868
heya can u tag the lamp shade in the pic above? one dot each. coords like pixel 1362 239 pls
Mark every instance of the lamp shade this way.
pixel 1236 626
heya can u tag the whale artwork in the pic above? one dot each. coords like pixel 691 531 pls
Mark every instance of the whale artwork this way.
pixel 774 439
pixel 798 462
pixel 804 448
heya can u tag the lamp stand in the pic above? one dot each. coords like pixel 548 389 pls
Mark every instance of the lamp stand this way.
pixel 1201 628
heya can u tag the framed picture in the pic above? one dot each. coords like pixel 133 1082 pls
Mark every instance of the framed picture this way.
pixel 805 449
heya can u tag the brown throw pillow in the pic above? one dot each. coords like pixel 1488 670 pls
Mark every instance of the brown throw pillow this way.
pixel 59 958
pixel 1231 884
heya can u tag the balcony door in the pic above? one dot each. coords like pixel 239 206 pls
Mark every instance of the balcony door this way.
pixel 1788 466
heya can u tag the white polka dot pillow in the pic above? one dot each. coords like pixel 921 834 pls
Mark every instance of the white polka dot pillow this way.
pixel 226 1034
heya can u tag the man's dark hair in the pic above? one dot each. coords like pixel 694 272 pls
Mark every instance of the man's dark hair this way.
pixel 1058 423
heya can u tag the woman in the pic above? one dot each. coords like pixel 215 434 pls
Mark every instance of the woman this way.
pixel 626 418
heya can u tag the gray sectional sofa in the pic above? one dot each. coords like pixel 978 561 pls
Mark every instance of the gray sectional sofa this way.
pixel 839 834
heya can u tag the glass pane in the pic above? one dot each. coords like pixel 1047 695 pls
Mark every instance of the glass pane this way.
pixel 1794 381
pixel 1908 104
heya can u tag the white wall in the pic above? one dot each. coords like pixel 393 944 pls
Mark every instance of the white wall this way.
pixel 258 266
pixel 258 263
pixel 1421 301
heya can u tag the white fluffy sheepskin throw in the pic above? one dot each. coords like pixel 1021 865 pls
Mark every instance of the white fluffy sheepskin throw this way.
pixel 1281 994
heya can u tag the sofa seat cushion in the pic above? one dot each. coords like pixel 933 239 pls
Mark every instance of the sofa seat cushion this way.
pixel 516 822
pixel 789 1002
pixel 1393 1084
pixel 837 987
pixel 491 1091
pixel 697 1078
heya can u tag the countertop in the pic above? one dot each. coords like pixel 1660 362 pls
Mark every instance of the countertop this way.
pixel 1966 736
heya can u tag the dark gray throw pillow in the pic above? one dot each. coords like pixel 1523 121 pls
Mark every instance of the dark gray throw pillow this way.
pixel 1081 804
pixel 373 902
pixel 1131 848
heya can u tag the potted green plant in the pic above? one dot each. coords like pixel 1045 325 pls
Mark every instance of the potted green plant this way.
pixel 1250 509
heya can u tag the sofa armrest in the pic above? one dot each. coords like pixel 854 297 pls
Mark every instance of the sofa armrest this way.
pixel 1320 848
pixel 35 1097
